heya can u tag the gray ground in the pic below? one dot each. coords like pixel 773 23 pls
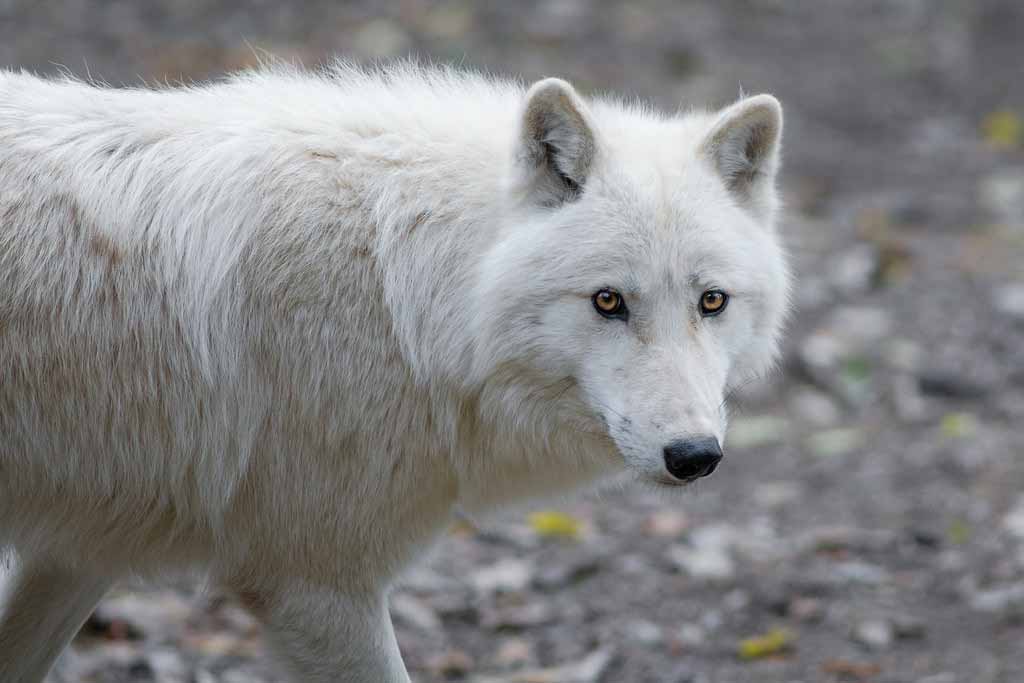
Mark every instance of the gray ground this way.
pixel 872 502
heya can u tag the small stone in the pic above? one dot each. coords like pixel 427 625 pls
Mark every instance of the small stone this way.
pixel 514 652
pixel 643 632
pixel 1014 520
pixel 508 575
pixel 707 557
pixel 450 664
pixel 518 616
pixel 414 612
pixel 1002 195
pixel 947 383
pixel 854 271
pixel 1005 601
pixel 875 634
pixel 806 609
pixel 906 627
pixel 1009 300
pixel 691 636
pixel 862 573
pixel 666 524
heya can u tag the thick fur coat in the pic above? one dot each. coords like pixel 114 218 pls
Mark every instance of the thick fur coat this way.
pixel 279 327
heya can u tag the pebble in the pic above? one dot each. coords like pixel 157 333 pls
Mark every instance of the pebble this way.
pixel 1005 601
pixel 691 636
pixel 875 634
pixel 1009 300
pixel 854 270
pixel 1014 520
pixel 514 652
pixel 414 612
pixel 862 573
pixel 907 627
pixel 707 556
pixel 643 632
pixel 508 575
pixel 1002 195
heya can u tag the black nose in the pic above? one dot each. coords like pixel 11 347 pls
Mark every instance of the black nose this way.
pixel 692 458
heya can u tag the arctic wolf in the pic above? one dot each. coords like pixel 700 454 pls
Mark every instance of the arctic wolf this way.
pixel 279 327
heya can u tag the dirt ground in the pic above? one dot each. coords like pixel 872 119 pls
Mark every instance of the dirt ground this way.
pixel 868 521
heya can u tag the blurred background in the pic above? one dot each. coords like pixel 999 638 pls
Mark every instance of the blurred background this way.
pixel 868 522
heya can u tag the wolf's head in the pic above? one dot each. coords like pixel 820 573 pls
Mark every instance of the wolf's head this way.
pixel 639 276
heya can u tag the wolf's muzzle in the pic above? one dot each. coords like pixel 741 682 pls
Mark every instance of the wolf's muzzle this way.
pixel 692 458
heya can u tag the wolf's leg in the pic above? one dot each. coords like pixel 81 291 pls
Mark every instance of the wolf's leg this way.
pixel 42 606
pixel 325 636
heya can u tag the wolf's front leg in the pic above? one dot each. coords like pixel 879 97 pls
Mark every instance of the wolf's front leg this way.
pixel 324 636
pixel 42 606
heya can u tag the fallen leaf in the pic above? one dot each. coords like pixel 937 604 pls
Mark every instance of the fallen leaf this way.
pixel 850 670
pixel 775 642
pixel 1003 129
pixel 551 523
pixel 959 425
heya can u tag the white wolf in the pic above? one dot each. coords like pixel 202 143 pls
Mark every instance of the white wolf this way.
pixel 280 326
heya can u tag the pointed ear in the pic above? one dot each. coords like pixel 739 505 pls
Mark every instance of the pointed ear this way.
pixel 556 143
pixel 743 146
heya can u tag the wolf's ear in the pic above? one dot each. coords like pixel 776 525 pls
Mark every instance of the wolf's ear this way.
pixel 556 144
pixel 743 146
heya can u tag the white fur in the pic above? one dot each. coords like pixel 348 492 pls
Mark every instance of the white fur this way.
pixel 276 328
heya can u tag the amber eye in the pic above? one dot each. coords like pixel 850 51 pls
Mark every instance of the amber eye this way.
pixel 713 302
pixel 609 303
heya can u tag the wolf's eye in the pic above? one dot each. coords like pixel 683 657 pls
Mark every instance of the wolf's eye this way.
pixel 609 303
pixel 713 302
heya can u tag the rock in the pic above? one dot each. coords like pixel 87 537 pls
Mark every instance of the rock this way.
pixel 1014 520
pixel 907 627
pixel 854 270
pixel 691 636
pixel 707 556
pixel 806 609
pixel 875 634
pixel 642 632
pixel 508 575
pixel 862 573
pixel 514 652
pixel 1005 601
pixel 587 670
pixel 947 383
pixel 450 664
pixel 666 523
pixel 1001 194
pixel 518 616
pixel 1009 300
pixel 570 571
pixel 414 612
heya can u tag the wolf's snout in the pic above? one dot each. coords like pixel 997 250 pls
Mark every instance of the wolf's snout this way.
pixel 692 458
